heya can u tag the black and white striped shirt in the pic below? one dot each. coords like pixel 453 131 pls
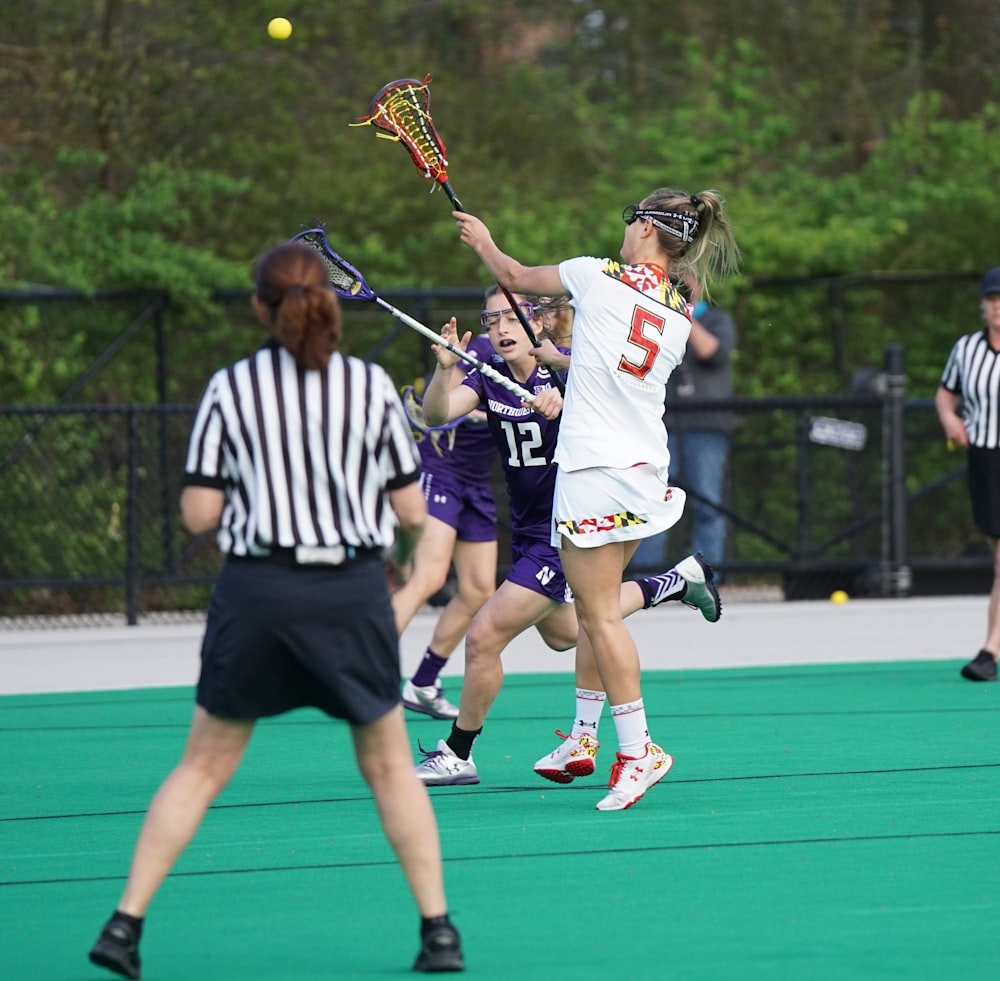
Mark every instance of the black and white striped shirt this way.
pixel 304 457
pixel 973 372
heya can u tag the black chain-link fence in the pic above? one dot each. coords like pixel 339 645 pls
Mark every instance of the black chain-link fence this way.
pixel 91 523
pixel 856 492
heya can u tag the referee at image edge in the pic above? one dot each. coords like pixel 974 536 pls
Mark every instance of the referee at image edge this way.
pixel 968 405
pixel 303 460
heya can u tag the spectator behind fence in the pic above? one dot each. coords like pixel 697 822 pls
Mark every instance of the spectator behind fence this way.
pixel 699 438
pixel 968 405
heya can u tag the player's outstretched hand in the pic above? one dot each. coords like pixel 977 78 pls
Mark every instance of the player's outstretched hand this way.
pixel 450 333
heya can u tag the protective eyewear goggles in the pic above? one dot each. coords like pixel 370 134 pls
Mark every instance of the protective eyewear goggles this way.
pixel 492 317
pixel 686 233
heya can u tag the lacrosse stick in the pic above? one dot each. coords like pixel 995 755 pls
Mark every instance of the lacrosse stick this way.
pixel 401 111
pixel 414 409
pixel 349 284
pixel 413 406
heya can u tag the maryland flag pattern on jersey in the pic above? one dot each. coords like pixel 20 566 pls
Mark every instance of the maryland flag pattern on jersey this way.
pixel 651 280
pixel 607 522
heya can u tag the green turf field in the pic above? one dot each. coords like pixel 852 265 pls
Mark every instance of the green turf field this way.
pixel 827 822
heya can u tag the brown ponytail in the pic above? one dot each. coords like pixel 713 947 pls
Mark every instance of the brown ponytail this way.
pixel 304 313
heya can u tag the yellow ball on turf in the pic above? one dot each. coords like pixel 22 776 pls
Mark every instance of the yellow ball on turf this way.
pixel 280 28
pixel 838 596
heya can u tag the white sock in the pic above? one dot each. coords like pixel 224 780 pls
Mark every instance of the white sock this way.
pixel 589 705
pixel 630 724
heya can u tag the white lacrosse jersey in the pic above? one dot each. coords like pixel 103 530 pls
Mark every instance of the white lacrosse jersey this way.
pixel 629 333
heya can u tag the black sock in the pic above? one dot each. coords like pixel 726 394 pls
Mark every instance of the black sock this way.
pixel 430 923
pixel 134 922
pixel 461 741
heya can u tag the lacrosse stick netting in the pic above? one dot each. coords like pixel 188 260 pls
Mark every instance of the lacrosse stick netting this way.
pixel 413 406
pixel 401 111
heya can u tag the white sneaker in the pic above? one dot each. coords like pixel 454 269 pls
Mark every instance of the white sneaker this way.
pixel 430 701
pixel 442 768
pixel 632 776
pixel 700 592
pixel 571 758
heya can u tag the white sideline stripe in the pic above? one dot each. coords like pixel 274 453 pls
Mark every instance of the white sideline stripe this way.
pixel 671 636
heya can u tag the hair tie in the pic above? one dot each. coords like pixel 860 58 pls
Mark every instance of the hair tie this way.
pixel 697 203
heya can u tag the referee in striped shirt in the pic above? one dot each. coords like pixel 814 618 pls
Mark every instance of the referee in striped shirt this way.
pixel 303 460
pixel 968 405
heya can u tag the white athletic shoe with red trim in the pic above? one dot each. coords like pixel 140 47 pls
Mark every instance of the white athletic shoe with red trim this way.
pixel 571 758
pixel 632 776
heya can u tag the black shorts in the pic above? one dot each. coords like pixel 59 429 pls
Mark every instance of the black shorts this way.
pixel 984 489
pixel 281 637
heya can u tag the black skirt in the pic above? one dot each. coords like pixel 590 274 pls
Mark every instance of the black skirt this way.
pixel 984 489
pixel 281 637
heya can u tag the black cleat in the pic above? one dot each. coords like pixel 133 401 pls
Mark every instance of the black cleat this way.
pixel 440 950
pixel 117 949
pixel 700 592
pixel 983 667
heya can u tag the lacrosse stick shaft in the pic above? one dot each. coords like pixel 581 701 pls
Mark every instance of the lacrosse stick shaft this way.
pixel 468 357
pixel 453 198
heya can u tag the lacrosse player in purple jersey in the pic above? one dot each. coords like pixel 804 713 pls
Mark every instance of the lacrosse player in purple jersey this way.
pixel 535 592
pixel 461 528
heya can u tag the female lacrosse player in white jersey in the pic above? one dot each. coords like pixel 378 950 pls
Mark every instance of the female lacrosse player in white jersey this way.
pixel 534 592
pixel 629 333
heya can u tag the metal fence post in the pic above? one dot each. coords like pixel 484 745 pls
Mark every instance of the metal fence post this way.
pixel 132 519
pixel 803 532
pixel 167 505
pixel 896 573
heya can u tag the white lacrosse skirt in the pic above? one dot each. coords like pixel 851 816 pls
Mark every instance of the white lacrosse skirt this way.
pixel 599 505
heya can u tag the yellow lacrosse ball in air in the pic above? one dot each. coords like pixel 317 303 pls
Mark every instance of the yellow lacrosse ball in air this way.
pixel 838 597
pixel 280 28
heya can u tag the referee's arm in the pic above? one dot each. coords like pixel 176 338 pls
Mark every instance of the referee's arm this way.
pixel 201 508
pixel 946 402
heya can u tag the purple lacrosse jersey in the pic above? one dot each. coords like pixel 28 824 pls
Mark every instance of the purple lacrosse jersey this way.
pixel 527 443
pixel 466 452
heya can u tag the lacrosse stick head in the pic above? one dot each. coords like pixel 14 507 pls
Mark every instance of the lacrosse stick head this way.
pixel 413 406
pixel 401 111
pixel 438 435
pixel 345 280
